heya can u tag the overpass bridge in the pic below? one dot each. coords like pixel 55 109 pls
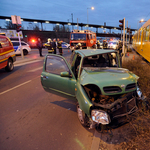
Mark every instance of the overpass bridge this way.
pixel 81 25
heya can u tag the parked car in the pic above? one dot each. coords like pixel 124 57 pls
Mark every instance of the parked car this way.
pixel 7 54
pixel 113 45
pixel 106 93
pixel 25 47
pixel 65 45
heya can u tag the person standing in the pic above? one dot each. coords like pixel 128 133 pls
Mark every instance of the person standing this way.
pixel 59 46
pixel 49 46
pixel 98 44
pixel 54 45
pixel 39 45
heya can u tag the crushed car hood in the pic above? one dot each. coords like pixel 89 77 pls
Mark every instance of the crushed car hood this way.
pixel 106 77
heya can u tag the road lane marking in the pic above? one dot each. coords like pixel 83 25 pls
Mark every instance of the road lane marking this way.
pixel 15 87
pixel 25 63
pixel 33 70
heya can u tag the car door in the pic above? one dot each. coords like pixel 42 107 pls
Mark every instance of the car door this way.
pixel 57 76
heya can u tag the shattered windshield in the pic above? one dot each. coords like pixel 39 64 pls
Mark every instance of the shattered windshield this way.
pixel 101 62
pixel 78 36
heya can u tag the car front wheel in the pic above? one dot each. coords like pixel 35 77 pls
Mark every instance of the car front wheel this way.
pixel 25 52
pixel 83 118
pixel 10 65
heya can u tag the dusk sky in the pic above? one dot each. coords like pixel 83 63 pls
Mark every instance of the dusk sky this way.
pixel 109 11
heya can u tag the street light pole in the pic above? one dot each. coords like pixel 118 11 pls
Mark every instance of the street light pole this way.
pixel 72 20
pixel 88 18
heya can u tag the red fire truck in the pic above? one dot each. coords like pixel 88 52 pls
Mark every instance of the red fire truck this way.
pixel 87 39
pixel 7 54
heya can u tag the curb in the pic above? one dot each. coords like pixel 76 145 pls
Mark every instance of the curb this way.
pixel 95 141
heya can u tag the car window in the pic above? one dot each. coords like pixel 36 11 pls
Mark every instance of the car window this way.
pixel 23 43
pixel 56 65
pixel 4 42
pixel 104 60
pixel 15 43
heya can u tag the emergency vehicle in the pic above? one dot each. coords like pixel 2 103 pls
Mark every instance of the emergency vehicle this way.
pixel 87 39
pixel 7 54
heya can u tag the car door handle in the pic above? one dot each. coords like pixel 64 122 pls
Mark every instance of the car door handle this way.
pixel 45 77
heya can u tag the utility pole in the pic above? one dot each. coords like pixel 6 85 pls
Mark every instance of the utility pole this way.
pixel 72 20
pixel 122 25
pixel 126 38
pixel 77 25
pixel 121 34
pixel 126 32
pixel 123 48
pixel 17 20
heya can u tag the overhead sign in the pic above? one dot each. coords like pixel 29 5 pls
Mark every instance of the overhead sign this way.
pixel 15 19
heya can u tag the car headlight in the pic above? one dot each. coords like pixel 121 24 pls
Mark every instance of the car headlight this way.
pixel 100 116
pixel 139 93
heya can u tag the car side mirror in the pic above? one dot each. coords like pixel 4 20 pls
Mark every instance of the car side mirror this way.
pixel 65 74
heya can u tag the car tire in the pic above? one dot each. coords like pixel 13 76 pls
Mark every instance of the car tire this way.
pixel 83 118
pixel 25 52
pixel 10 65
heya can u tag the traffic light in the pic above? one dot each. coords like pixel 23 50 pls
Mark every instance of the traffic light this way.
pixel 129 30
pixel 18 28
pixel 122 23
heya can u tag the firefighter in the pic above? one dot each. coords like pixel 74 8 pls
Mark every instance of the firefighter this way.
pixel 59 47
pixel 49 46
pixel 104 44
pixel 78 46
pixel 98 44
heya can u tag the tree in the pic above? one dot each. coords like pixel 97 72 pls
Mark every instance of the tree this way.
pixel 32 26
pixel 9 25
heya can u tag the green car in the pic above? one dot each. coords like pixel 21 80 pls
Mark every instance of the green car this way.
pixel 105 92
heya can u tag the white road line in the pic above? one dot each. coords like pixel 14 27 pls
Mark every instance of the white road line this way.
pixel 35 69
pixel 25 63
pixel 15 87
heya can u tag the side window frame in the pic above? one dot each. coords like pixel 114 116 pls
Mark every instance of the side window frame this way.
pixel 64 64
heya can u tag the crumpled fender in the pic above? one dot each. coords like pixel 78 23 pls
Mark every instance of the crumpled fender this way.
pixel 83 100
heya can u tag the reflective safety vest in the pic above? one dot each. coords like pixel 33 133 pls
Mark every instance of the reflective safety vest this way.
pixel 49 47
pixel 59 44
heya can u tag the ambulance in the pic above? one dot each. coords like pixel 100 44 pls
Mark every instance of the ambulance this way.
pixel 7 54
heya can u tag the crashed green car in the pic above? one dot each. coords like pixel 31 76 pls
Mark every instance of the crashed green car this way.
pixel 104 91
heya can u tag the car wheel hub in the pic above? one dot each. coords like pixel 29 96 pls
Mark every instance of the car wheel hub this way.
pixel 80 114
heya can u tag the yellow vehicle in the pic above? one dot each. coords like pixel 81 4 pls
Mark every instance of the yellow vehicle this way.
pixel 141 41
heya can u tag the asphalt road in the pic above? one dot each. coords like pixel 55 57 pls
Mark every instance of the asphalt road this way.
pixel 31 118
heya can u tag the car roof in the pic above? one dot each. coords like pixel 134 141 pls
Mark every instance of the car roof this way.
pixel 89 52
